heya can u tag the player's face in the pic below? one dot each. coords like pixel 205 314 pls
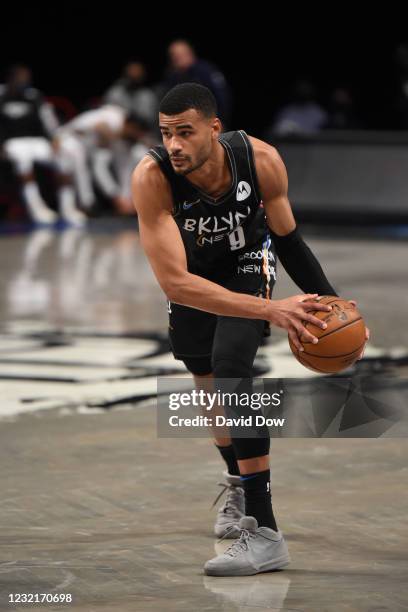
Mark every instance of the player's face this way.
pixel 189 138
pixel 181 56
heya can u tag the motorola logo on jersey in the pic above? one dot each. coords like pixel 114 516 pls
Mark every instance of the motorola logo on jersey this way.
pixel 243 191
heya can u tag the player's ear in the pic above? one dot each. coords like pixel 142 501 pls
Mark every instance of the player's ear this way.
pixel 216 127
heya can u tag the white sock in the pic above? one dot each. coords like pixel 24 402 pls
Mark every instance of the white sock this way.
pixel 67 205
pixel 37 208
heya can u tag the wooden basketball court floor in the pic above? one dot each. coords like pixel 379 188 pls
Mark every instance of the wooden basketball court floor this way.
pixel 95 505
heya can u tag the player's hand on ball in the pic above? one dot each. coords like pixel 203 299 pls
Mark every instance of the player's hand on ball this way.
pixel 291 314
pixel 367 334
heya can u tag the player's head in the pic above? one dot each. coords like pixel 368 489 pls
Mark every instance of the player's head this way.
pixel 19 76
pixel 134 127
pixel 134 73
pixel 181 55
pixel 189 126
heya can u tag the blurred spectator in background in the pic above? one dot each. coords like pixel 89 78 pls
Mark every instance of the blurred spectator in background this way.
pixel 302 115
pixel 401 58
pixel 131 93
pixel 341 111
pixel 104 144
pixel 27 125
pixel 185 67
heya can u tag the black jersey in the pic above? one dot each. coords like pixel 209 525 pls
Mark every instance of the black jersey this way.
pixel 215 229
pixel 20 114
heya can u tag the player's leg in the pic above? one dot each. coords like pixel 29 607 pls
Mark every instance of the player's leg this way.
pixel 191 334
pixel 233 508
pixel 73 154
pixel 205 382
pixel 236 342
pixel 261 546
pixel 23 152
pixel 103 172
pixel 125 160
pixel 66 192
pixel 67 202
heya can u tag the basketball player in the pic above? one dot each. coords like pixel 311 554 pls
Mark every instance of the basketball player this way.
pixel 210 204
pixel 27 127
pixel 106 136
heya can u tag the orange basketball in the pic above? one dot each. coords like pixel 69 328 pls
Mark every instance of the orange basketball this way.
pixel 339 344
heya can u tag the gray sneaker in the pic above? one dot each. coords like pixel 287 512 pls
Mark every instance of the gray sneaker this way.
pixel 229 514
pixel 259 549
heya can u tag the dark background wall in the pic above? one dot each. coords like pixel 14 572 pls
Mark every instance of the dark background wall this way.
pixel 77 50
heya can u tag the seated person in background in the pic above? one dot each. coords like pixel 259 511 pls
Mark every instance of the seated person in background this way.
pixel 342 115
pixel 27 126
pixel 104 144
pixel 302 114
pixel 131 93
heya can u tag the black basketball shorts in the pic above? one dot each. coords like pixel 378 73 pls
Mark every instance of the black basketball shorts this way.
pixel 252 271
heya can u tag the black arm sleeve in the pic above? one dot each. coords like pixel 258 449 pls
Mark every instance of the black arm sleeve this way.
pixel 300 263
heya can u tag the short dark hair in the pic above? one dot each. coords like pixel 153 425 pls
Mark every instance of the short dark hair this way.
pixel 13 70
pixel 137 120
pixel 189 95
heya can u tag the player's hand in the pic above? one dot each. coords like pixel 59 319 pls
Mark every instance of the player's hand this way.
pixel 291 314
pixel 367 334
pixel 55 144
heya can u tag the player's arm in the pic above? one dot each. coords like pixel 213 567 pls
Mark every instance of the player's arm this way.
pixel 105 134
pixel 162 242
pixel 296 257
pixel 48 117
